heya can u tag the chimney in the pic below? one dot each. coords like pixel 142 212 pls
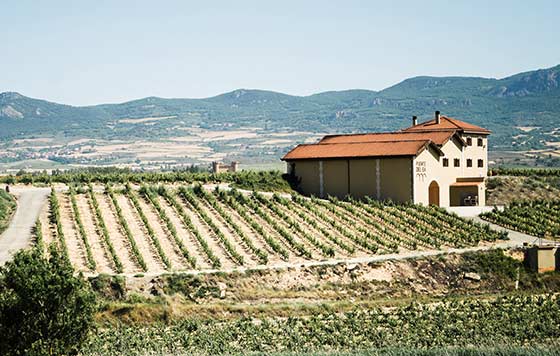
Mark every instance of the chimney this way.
pixel 414 121
pixel 437 118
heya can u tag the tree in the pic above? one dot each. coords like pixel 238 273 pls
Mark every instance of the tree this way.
pixel 44 308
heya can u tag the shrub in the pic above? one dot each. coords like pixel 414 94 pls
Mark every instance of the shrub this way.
pixel 44 308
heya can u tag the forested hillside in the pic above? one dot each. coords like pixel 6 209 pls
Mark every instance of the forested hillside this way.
pixel 506 106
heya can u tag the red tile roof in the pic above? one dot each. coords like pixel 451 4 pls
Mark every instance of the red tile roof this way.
pixel 359 149
pixel 447 124
pixel 439 138
pixel 408 142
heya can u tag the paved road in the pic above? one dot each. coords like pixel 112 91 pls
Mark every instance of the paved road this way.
pixel 30 201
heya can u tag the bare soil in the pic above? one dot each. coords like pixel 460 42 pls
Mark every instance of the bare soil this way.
pixel 74 243
pixel 248 257
pixel 258 241
pixel 98 248
pixel 206 232
pixel 339 252
pixel 188 239
pixel 147 250
pixel 120 242
pixel 178 261
pixel 359 251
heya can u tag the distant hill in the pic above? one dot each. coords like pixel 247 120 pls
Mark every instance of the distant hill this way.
pixel 522 100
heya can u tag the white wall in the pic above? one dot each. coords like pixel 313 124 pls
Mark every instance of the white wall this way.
pixel 434 170
pixel 429 167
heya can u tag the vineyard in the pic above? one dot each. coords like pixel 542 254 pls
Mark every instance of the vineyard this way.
pixel 524 172
pixel 539 218
pixel 504 321
pixel 131 229
pixel 7 207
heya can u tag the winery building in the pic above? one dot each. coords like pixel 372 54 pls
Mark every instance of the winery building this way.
pixel 442 162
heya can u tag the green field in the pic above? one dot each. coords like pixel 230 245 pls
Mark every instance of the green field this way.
pixel 498 322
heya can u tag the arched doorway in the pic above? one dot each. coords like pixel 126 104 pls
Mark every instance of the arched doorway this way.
pixel 433 193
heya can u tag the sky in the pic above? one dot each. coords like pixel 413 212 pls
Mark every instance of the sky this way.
pixel 91 52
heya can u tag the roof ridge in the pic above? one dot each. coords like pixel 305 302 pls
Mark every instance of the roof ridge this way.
pixel 454 121
pixel 367 142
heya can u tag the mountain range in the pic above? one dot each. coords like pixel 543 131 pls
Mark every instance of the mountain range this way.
pixel 506 106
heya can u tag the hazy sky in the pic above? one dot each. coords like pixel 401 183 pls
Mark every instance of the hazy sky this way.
pixel 88 52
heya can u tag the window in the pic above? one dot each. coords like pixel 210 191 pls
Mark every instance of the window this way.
pixel 480 142
pixel 446 162
pixel 469 162
pixel 480 163
pixel 469 141
pixel 456 162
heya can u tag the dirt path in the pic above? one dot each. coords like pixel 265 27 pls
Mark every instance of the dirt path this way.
pixel 136 226
pixel 30 201
pixel 74 243
pixel 120 242
pixel 98 250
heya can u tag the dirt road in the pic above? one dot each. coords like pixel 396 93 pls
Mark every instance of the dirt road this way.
pixel 30 201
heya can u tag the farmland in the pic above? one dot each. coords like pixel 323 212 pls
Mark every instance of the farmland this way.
pixel 136 229
pixel 263 287
pixel 539 218
pixel 255 281
pixel 496 322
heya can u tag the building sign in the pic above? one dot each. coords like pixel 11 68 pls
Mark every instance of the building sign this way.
pixel 421 167
pixel 421 170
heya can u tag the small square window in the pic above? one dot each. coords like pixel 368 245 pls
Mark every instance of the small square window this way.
pixel 446 162
pixel 469 141
pixel 480 142
pixel 469 162
pixel 456 162
pixel 480 163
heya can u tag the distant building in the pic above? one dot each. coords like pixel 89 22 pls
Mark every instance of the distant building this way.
pixel 441 162
pixel 218 167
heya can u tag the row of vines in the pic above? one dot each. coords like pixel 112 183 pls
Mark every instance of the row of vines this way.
pixel 501 322
pixel 190 227
pixel 539 218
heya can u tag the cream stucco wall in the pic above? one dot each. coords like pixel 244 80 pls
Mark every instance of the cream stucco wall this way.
pixel 429 167
pixel 475 153
pixel 398 178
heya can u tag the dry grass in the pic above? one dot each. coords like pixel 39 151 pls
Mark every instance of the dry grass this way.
pixel 504 190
